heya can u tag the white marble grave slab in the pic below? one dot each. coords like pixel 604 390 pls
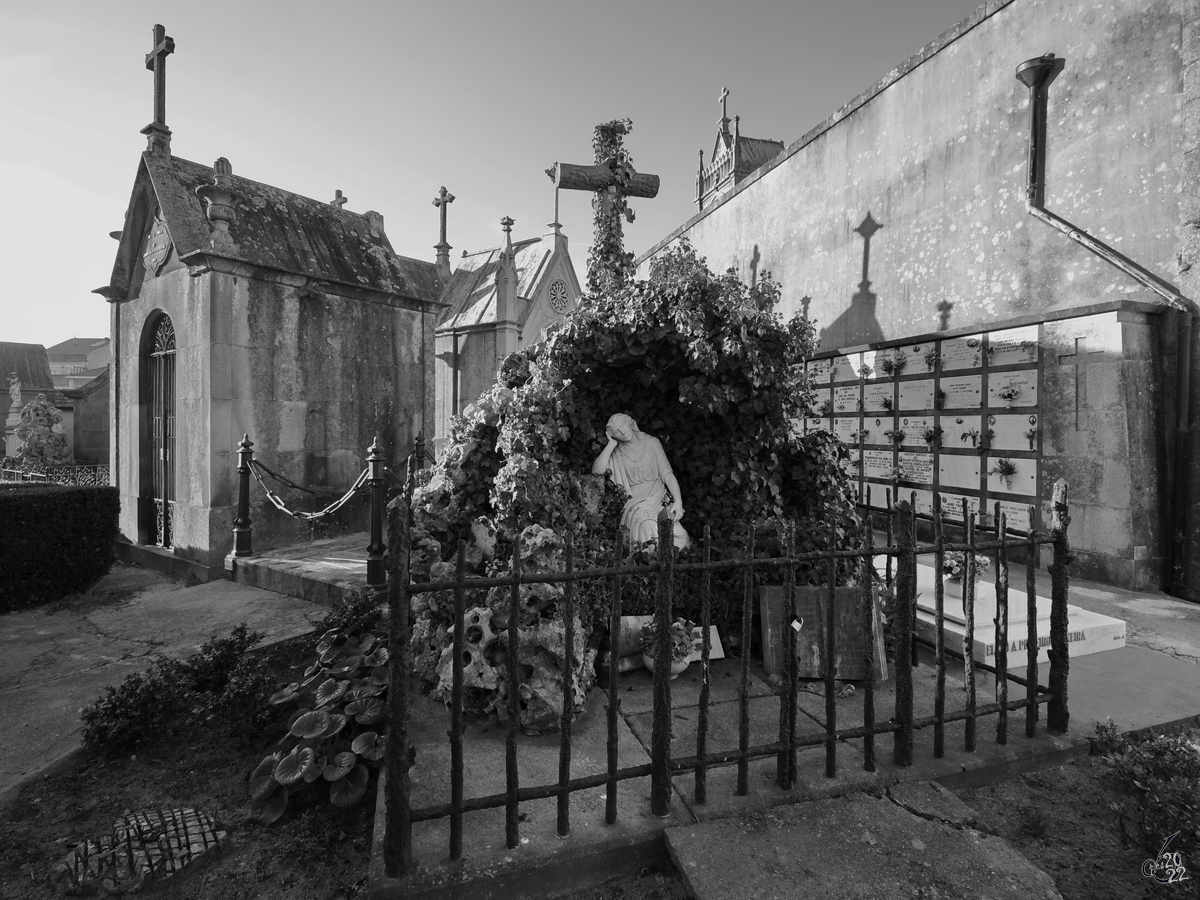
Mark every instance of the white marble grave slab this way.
pixel 917 467
pixel 1012 432
pixel 914 429
pixel 921 355
pixel 958 471
pixel 1024 381
pixel 1016 516
pixel 1023 481
pixel 962 392
pixel 816 423
pixel 878 463
pixel 962 353
pixel 845 428
pixel 961 432
pixel 845 367
pixel 818 371
pixel 846 397
pixel 822 403
pixel 891 363
pixel 870 360
pixel 916 394
pixel 1013 346
pixel 875 428
pixel 874 396
pixel 952 506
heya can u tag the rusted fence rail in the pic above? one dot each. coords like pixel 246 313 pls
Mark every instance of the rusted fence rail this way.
pixel 900 548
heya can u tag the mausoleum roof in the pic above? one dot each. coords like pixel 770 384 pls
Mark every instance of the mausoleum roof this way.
pixel 32 366
pixel 274 229
pixel 470 294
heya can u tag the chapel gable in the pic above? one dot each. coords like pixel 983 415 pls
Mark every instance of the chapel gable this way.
pixel 733 157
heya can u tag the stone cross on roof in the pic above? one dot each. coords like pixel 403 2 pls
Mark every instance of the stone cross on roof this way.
pixel 441 201
pixel 338 200
pixel 156 61
pixel 724 98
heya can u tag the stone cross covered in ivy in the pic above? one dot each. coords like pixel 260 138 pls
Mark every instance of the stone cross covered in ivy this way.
pixel 613 180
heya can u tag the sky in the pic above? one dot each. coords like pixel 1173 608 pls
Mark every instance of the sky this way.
pixel 388 100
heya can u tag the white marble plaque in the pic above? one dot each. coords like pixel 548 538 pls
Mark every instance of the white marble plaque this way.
pixel 845 398
pixel 962 353
pixel 961 432
pixel 962 392
pixel 818 371
pixel 952 506
pixel 1013 432
pixel 1022 385
pixel 958 471
pixel 916 394
pixel 914 429
pixel 815 423
pixel 873 430
pixel 878 463
pixel 1013 346
pixel 878 494
pixel 822 404
pixel 875 395
pixel 915 354
pixel 846 429
pixel 892 363
pixel 870 361
pixel 1016 516
pixel 1022 481
pixel 924 502
pixel 917 467
pixel 845 367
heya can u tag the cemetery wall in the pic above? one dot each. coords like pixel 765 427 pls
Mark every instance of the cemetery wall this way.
pixel 903 216
pixel 474 360
pixel 311 377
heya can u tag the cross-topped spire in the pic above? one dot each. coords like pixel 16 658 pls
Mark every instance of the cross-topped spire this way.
pixel 156 61
pixel 338 199
pixel 441 201
pixel 724 99
pixel 507 223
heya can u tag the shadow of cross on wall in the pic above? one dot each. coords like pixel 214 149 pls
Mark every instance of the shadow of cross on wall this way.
pixel 857 324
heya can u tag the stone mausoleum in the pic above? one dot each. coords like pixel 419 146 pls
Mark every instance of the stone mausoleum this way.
pixel 997 313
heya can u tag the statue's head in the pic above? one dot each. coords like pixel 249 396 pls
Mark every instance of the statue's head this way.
pixel 622 427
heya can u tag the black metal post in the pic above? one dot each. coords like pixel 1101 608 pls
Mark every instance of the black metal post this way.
pixel 376 574
pixel 241 523
pixel 1057 715
pixel 902 629
pixel 660 740
pixel 397 846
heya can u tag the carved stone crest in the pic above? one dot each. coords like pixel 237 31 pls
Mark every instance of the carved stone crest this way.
pixel 158 246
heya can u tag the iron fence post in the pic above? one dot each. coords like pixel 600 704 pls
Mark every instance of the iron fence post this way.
pixel 397 841
pixel 1057 714
pixel 902 629
pixel 660 740
pixel 376 576
pixel 241 522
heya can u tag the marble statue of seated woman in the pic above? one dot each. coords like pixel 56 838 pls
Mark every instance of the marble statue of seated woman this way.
pixel 637 463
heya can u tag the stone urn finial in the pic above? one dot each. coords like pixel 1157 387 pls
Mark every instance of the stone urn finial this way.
pixel 221 202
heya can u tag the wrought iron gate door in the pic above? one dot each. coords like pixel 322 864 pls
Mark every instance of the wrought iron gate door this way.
pixel 162 430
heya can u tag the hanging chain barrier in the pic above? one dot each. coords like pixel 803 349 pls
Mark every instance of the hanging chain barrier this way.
pixel 278 503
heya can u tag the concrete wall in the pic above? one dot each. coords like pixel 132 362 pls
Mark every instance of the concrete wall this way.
pixel 311 377
pixel 477 360
pixel 936 153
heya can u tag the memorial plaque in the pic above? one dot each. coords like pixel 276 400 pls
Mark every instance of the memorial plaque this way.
pixel 878 463
pixel 914 429
pixel 1022 481
pixel 870 360
pixel 1010 389
pixel 878 494
pixel 1015 432
pixel 962 353
pixel 846 429
pixel 822 403
pixel 915 355
pixel 962 392
pixel 873 430
pixel 845 398
pixel 1013 346
pixel 923 502
pixel 961 432
pixel 1016 516
pixel 815 423
pixel 818 371
pixel 917 467
pixel 958 471
pixel 916 394
pixel 845 367
pixel 952 506
pixel 874 396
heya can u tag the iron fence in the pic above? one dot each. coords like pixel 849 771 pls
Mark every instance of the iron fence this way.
pixel 399 815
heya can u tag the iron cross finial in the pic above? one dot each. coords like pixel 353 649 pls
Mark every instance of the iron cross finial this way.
pixel 156 62
pixel 338 200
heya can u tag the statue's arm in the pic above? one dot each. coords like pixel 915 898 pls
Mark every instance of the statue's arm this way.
pixel 601 464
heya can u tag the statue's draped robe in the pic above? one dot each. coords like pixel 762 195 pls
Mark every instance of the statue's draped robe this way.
pixel 642 469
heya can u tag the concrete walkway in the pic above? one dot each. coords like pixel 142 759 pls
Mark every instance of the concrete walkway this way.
pixel 58 658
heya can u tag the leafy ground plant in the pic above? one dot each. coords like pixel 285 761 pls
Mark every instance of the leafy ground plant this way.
pixel 332 738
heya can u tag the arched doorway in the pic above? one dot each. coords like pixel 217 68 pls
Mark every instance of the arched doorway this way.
pixel 158 431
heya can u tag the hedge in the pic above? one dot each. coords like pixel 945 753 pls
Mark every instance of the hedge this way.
pixel 54 540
